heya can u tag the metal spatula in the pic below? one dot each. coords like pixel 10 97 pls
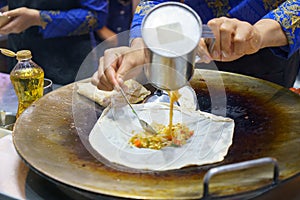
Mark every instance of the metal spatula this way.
pixel 144 124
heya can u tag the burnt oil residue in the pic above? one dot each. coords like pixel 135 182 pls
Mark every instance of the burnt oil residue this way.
pixel 257 122
pixel 256 126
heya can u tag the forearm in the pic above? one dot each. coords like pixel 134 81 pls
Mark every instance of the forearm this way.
pixel 138 43
pixel 288 16
pixel 105 33
pixel 75 22
pixel 271 33
pixel 108 36
pixel 36 18
pixel 3 6
pixel 91 16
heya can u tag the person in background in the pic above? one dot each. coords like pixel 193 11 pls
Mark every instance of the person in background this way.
pixel 56 32
pixel 119 19
pixel 258 38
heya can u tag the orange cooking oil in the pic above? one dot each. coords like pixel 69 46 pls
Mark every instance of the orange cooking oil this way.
pixel 174 96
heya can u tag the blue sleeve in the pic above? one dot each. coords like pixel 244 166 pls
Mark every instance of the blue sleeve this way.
pixel 288 16
pixel 3 3
pixel 91 16
pixel 141 10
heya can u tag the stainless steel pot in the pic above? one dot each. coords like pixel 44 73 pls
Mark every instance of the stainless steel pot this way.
pixel 172 32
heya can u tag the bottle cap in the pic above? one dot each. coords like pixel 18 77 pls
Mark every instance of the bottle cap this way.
pixel 7 52
pixel 24 54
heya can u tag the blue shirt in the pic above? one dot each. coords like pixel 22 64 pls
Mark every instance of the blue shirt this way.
pixel 78 21
pixel 119 20
pixel 287 13
pixel 119 16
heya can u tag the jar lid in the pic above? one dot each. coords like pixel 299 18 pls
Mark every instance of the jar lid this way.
pixel 24 54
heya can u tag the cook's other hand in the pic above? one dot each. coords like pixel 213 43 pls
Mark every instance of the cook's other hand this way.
pixel 235 38
pixel 21 19
pixel 117 62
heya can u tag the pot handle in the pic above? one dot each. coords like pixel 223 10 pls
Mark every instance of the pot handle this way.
pixel 209 39
pixel 207 32
pixel 239 166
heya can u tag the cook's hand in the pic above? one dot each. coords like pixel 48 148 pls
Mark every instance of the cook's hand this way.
pixel 233 39
pixel 116 63
pixel 21 19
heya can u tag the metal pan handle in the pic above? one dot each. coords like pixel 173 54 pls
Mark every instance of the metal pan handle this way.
pixel 239 166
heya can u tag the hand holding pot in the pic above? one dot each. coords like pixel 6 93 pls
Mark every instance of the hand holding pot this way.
pixel 235 38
